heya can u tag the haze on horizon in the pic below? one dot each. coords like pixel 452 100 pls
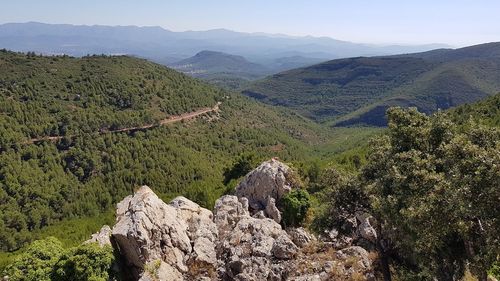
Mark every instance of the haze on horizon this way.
pixel 454 22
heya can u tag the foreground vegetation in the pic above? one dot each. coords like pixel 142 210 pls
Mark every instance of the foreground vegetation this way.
pixel 433 187
pixel 47 259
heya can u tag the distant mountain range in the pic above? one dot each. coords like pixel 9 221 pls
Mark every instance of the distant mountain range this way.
pixel 167 47
pixel 358 90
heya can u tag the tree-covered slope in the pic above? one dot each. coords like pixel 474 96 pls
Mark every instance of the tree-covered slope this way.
pixel 221 69
pixel 207 63
pixel 486 112
pixel 90 168
pixel 359 90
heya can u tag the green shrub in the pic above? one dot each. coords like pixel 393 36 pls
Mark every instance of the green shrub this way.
pixel 47 260
pixel 37 262
pixel 85 262
pixel 495 269
pixel 295 205
pixel 243 165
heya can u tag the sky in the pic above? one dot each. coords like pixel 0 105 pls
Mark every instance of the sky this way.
pixel 454 22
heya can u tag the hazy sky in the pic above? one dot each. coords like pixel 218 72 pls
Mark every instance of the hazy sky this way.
pixel 455 22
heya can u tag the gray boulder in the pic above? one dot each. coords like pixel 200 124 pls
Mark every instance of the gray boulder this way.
pixel 161 240
pixel 271 210
pixel 365 229
pixel 102 237
pixel 270 181
pixel 249 248
pixel 300 236
pixel 284 248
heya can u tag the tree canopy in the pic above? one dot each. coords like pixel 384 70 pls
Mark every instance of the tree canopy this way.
pixel 435 187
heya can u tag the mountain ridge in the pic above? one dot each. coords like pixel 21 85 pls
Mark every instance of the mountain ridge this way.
pixel 156 42
pixel 355 91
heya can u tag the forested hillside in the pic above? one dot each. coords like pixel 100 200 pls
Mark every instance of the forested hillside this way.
pixel 90 168
pixel 221 69
pixel 485 112
pixel 359 90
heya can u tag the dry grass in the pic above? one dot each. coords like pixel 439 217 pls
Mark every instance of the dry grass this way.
pixel 317 257
pixel 468 276
pixel 197 269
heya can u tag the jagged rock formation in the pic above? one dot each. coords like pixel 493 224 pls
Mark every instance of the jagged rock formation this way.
pixel 102 237
pixel 249 248
pixel 300 236
pixel 161 241
pixel 365 229
pixel 183 241
pixel 265 186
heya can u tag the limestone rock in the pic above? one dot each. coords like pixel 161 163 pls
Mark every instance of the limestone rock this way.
pixel 284 248
pixel 300 236
pixel 159 270
pixel 259 215
pixel 183 241
pixel 227 212
pixel 271 179
pixel 201 230
pixel 355 251
pixel 102 237
pixel 177 234
pixel 272 211
pixel 249 248
pixel 364 229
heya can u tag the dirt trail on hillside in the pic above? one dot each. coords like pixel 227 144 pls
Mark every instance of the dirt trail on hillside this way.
pixel 166 121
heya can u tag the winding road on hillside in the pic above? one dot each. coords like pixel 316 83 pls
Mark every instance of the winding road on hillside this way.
pixel 166 121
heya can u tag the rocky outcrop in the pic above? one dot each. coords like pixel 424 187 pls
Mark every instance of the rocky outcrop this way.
pixel 272 210
pixel 159 240
pixel 300 236
pixel 366 231
pixel 102 237
pixel 241 240
pixel 265 186
pixel 249 248
pixel 356 230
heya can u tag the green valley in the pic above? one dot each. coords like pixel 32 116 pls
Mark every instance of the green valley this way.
pixel 358 91
pixel 90 168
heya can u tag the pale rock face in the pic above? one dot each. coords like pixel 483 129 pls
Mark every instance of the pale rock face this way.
pixel 355 251
pixel 300 236
pixel 268 182
pixel 102 237
pixel 249 247
pixel 163 272
pixel 201 230
pixel 182 241
pixel 272 211
pixel 259 215
pixel 365 229
pixel 227 212
pixel 284 248
pixel 177 234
